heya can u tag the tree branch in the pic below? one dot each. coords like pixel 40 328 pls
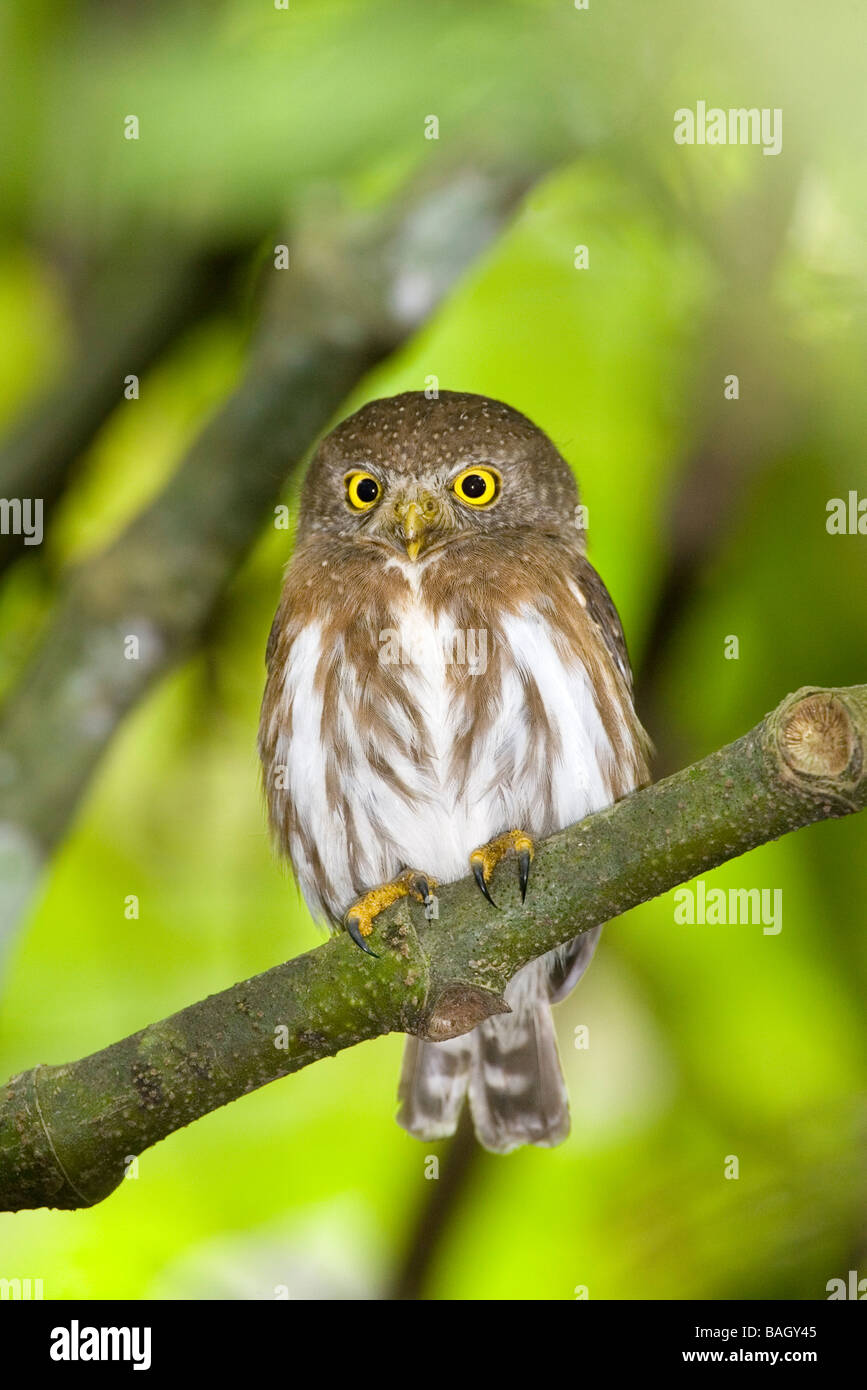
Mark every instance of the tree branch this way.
pixel 66 1131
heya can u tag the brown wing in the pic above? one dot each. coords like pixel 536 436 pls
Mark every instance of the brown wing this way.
pixel 567 964
pixel 602 612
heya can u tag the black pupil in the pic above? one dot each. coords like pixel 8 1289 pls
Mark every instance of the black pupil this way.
pixel 474 485
pixel 367 490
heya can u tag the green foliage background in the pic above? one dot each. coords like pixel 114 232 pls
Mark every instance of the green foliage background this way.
pixel 706 1041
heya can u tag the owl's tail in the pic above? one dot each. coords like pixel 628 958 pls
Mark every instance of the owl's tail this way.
pixel 509 1066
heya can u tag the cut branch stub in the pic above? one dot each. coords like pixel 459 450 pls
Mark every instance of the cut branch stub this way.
pixel 459 1008
pixel 821 752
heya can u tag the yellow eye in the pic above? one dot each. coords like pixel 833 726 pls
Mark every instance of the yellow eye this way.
pixel 362 490
pixel 478 486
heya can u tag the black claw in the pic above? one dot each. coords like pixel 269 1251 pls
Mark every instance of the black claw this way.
pixel 352 928
pixel 479 876
pixel 423 887
pixel 523 871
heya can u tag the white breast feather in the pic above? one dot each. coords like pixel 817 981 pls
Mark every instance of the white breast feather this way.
pixel 437 831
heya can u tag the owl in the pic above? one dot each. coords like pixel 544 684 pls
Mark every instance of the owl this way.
pixel 447 683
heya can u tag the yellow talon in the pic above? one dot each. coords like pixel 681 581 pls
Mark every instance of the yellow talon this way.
pixel 484 860
pixel 360 917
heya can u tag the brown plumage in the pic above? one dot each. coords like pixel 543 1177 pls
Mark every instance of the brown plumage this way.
pixel 442 668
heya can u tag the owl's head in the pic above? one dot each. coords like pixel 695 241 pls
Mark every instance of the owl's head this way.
pixel 412 475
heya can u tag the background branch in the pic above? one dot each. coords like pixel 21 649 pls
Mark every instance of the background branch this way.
pixel 141 313
pixel 66 1131
pixel 357 287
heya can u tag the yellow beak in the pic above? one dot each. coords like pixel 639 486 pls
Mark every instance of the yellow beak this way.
pixel 413 525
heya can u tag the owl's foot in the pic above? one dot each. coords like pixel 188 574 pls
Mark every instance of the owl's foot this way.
pixel 483 861
pixel 360 917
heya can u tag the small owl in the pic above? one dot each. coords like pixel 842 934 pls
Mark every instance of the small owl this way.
pixel 447 683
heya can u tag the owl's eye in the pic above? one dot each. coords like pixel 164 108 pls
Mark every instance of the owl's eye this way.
pixel 362 490
pixel 478 486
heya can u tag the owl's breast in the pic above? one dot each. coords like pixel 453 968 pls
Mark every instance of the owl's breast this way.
pixel 408 738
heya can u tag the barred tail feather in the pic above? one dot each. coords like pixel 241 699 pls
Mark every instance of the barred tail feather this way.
pixel 517 1093
pixel 566 964
pixel 509 1066
pixel 433 1084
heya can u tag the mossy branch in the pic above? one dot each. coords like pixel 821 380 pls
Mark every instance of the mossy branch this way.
pixel 66 1131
